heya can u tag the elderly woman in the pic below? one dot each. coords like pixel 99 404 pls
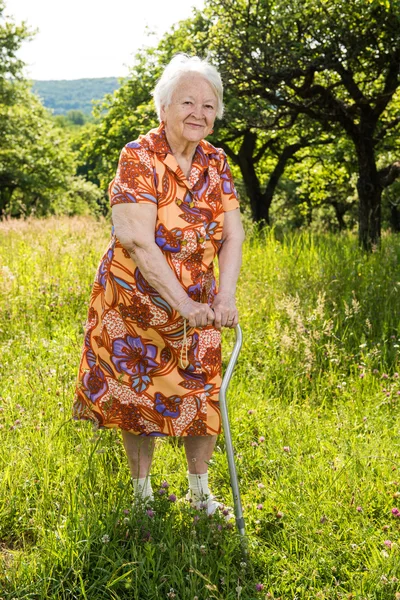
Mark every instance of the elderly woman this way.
pixel 151 362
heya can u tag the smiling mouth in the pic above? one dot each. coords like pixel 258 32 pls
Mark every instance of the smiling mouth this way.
pixel 195 124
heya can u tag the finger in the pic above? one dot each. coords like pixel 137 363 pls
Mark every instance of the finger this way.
pixel 210 317
pixel 217 319
pixel 235 320
pixel 226 319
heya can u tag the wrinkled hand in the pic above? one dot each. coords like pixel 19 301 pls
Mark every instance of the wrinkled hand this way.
pixel 198 314
pixel 225 311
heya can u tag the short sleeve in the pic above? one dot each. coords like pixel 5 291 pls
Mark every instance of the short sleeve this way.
pixel 134 179
pixel 229 195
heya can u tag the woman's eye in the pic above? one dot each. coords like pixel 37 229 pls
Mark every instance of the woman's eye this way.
pixel 210 106
pixel 187 102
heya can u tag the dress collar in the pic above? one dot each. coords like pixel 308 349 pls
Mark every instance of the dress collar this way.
pixel 156 141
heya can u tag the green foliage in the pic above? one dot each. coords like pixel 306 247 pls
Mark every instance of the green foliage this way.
pixel 314 416
pixel 37 165
pixel 65 96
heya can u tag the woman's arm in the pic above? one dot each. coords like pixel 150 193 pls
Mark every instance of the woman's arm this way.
pixel 230 261
pixel 134 226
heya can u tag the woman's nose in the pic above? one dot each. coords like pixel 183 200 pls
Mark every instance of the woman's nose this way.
pixel 198 112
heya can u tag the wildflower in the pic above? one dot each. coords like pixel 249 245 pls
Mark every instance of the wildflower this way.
pixel 286 449
pixel 172 498
pixel 362 375
pixel 196 518
pixel 259 587
pixel 171 593
pixel 388 544
pixel 261 439
pixel 375 372
pixel 203 549
pixel 126 520
pixel 225 512
pixel 254 444
pixel 165 484
pixel 359 509
pixel 150 513
pixel 105 539
pixel 243 565
pixel 219 527
pixel 396 375
pixel 279 514
pixel 161 492
pixel 239 589
pixel 261 486
pixel 323 519
pixel 250 412
pixel 259 506
pixel 395 512
pixel 385 376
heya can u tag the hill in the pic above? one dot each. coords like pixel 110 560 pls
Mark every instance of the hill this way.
pixel 74 94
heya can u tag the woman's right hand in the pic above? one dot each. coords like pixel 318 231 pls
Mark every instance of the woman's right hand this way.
pixel 198 314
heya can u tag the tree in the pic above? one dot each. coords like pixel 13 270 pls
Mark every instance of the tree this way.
pixel 37 165
pixel 334 61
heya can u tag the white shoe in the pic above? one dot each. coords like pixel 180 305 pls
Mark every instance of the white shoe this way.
pixel 211 505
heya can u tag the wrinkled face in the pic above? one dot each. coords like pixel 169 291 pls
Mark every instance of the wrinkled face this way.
pixel 190 116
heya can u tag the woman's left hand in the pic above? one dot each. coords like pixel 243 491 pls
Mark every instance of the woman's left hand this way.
pixel 225 311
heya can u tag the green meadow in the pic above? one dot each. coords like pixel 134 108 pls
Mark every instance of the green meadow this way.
pixel 314 405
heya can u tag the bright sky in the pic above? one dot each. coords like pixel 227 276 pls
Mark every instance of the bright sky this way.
pixel 92 38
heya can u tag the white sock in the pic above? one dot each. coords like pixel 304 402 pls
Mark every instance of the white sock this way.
pixel 198 486
pixel 142 488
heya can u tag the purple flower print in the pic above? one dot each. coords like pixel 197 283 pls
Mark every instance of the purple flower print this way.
pixel 169 240
pixel 104 267
pixel 168 407
pixel 133 356
pixel 94 384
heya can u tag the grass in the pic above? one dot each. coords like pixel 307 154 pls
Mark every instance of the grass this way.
pixel 314 416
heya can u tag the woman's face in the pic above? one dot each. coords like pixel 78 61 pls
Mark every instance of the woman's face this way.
pixel 190 116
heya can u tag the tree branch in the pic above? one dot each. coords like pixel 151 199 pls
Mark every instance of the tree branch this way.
pixel 391 84
pixel 389 174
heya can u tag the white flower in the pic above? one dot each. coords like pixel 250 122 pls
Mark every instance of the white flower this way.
pixel 105 539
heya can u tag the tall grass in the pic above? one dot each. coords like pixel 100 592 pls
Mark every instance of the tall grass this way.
pixel 315 421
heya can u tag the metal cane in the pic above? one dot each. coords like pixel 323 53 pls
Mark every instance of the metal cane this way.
pixel 227 431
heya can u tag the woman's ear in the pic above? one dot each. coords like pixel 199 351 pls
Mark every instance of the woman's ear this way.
pixel 163 114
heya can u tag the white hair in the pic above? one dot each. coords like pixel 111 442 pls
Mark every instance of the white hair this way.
pixel 180 65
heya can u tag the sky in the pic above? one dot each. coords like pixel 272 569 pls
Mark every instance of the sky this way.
pixel 87 38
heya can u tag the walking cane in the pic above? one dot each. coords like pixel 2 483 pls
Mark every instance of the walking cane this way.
pixel 227 431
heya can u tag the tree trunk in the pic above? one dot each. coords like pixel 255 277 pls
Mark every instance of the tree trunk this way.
pixel 370 196
pixel 340 210
pixel 394 217
pixel 259 209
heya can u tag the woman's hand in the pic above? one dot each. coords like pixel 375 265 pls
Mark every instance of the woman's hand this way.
pixel 198 314
pixel 225 311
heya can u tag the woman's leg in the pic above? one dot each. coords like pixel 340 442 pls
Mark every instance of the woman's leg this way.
pixel 199 450
pixel 139 450
pixel 198 453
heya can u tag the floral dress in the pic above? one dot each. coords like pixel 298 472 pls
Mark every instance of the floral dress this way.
pixel 143 369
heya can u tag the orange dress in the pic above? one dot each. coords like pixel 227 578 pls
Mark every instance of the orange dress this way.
pixel 139 371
